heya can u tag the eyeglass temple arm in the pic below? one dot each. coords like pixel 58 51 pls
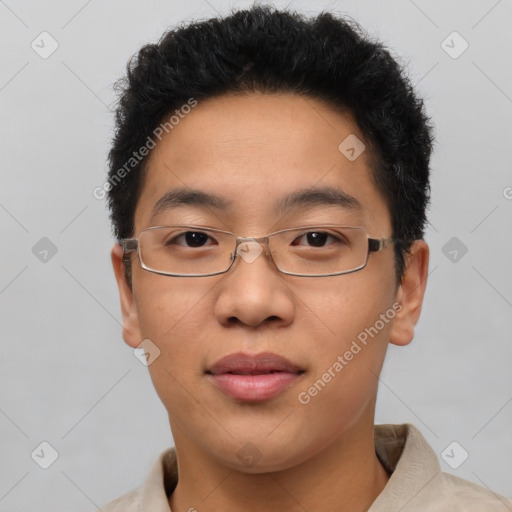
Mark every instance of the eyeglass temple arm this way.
pixel 128 245
pixel 375 245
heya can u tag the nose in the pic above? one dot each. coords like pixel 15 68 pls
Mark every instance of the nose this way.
pixel 253 292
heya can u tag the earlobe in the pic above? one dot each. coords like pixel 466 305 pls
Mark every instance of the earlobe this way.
pixel 410 294
pixel 131 327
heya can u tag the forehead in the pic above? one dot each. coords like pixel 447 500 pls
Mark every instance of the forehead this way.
pixel 255 150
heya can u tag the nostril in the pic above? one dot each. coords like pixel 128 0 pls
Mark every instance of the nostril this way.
pixel 233 320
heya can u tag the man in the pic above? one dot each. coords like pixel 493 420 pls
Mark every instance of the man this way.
pixel 268 187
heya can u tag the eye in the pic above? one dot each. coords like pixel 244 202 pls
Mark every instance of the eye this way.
pixel 191 239
pixel 316 239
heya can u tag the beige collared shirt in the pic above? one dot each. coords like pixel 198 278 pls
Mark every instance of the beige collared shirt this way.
pixel 417 483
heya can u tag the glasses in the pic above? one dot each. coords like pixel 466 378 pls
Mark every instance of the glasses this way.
pixel 309 251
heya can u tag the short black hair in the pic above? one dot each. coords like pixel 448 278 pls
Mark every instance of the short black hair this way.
pixel 263 49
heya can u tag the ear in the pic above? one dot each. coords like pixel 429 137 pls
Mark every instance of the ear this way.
pixel 131 327
pixel 410 293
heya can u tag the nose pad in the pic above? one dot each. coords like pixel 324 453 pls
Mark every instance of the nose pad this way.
pixel 249 250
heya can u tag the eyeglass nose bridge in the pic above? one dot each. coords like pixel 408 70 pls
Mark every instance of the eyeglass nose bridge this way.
pixel 250 248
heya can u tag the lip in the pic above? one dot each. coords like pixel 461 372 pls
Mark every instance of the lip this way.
pixel 253 378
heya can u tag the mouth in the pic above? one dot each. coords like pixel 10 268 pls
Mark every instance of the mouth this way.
pixel 253 378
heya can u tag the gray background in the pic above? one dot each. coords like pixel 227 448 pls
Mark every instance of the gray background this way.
pixel 67 377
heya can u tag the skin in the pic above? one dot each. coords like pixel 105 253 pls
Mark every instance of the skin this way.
pixel 254 149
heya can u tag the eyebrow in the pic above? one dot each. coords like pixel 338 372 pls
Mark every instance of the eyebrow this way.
pixel 303 198
pixel 318 196
pixel 188 197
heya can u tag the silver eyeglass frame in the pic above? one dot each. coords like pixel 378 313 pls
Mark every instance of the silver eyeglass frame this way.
pixel 130 245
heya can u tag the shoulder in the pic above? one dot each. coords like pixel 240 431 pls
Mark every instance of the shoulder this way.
pixel 451 493
pixel 417 482
pixel 153 495
pixel 129 502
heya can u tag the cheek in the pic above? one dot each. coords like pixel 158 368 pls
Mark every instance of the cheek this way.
pixel 344 306
pixel 352 333
pixel 171 308
pixel 175 316
pixel 178 329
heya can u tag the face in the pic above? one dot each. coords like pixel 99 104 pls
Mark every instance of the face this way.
pixel 251 152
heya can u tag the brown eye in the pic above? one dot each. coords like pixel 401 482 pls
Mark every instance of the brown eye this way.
pixel 195 239
pixel 316 239
pixel 191 239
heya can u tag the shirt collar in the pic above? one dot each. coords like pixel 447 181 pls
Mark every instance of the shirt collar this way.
pixel 403 451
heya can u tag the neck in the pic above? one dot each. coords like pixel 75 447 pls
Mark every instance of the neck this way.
pixel 346 476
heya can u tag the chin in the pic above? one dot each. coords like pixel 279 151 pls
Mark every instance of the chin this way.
pixel 260 456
